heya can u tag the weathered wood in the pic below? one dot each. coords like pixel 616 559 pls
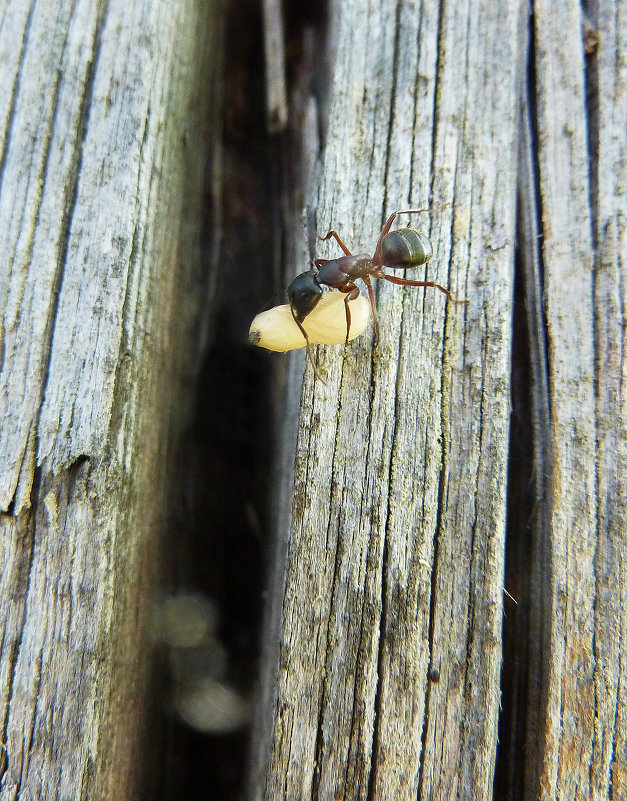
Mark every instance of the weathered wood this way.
pixel 392 562
pixel 104 109
pixel 395 553
pixel 274 40
pixel 582 178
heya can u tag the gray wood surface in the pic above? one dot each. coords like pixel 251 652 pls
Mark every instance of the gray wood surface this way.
pixel 581 122
pixel 104 114
pixel 383 655
pixel 393 553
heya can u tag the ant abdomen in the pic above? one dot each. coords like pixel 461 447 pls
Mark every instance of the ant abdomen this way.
pixel 404 248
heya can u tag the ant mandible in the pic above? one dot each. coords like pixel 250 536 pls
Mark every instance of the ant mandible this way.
pixel 399 249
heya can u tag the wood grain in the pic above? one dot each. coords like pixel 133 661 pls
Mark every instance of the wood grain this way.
pixel 386 679
pixel 395 553
pixel 103 162
pixel 581 190
pixel 383 649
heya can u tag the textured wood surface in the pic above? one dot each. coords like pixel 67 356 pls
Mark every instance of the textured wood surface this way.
pixel 383 653
pixel 395 560
pixel 388 606
pixel 581 157
pixel 103 164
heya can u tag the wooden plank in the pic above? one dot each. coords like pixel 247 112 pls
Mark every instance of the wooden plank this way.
pixel 395 554
pixel 581 157
pixel 609 70
pixel 104 131
pixel 274 41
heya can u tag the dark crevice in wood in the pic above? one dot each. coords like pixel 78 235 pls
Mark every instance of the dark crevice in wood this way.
pixel 384 621
pixel 4 758
pixel 70 193
pixel 391 119
pixel 435 569
pixel 319 746
pixel 222 526
pixel 541 568
pixel 529 119
pixel 23 583
pixel 434 113
pixel 509 773
pixel 615 765
pixel 71 187
pixel 528 556
pixel 219 502
pixel 416 118
pixel 15 91
pixel 432 612
pixel 591 79
pixel 356 767
pixel 372 776
pixel 10 669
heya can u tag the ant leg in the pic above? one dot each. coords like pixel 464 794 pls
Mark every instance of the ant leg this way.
pixel 348 320
pixel 335 236
pixel 388 225
pixel 373 306
pixel 352 293
pixel 310 358
pixel 319 262
pixel 302 330
pixel 407 282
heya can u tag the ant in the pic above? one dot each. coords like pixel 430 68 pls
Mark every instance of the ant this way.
pixel 399 249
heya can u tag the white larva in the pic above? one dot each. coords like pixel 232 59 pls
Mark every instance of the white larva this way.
pixel 276 330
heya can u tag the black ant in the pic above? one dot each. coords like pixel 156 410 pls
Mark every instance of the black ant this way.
pixel 399 249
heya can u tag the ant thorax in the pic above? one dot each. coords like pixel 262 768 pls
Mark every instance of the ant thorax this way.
pixel 336 272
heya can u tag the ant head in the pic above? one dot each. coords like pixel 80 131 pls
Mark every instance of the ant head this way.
pixel 303 294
